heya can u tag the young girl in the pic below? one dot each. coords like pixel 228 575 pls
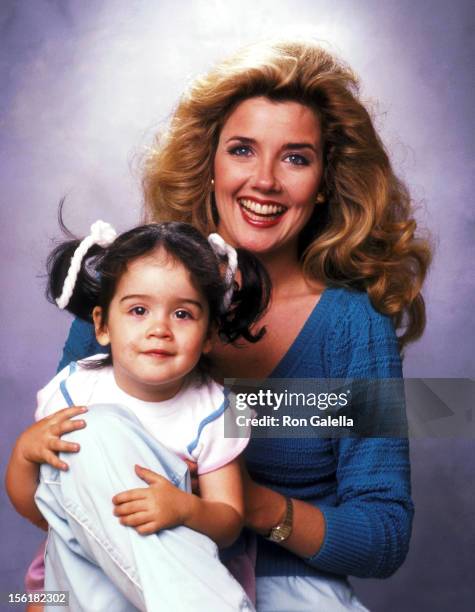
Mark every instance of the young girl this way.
pixel 156 295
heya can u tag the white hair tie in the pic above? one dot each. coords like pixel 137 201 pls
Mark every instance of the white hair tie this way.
pixel 102 234
pixel 220 247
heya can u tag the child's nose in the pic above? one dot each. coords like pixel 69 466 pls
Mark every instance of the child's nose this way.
pixel 160 328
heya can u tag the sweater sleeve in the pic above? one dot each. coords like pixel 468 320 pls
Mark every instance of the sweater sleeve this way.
pixel 367 531
pixel 81 343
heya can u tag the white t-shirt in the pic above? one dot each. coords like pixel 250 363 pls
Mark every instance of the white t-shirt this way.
pixel 191 423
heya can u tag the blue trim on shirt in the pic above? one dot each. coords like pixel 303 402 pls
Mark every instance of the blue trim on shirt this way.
pixel 362 486
pixel 209 419
pixel 62 385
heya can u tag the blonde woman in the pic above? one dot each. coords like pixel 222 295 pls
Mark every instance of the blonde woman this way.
pixel 275 151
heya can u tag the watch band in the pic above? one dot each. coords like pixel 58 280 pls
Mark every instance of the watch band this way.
pixel 282 531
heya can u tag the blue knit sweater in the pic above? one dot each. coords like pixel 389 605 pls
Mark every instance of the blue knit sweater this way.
pixel 362 486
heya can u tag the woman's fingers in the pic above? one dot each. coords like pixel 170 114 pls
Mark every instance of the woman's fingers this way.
pixel 66 413
pixel 55 461
pixel 70 425
pixel 195 483
pixel 62 422
pixel 192 466
pixel 59 445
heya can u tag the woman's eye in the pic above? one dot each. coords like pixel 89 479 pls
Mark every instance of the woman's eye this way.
pixel 138 311
pixel 183 314
pixel 240 151
pixel 297 160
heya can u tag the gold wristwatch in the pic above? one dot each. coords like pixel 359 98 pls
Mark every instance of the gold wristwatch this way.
pixel 282 531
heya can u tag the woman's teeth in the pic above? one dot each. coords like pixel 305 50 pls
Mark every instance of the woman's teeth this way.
pixel 262 209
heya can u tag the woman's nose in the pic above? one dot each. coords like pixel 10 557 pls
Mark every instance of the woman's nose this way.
pixel 265 178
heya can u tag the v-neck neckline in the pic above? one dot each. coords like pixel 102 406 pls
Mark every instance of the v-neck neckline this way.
pixel 295 352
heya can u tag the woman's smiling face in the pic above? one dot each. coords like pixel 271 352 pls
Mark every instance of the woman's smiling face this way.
pixel 267 171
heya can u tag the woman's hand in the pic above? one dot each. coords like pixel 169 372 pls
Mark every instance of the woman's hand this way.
pixel 263 508
pixel 148 510
pixel 195 483
pixel 41 442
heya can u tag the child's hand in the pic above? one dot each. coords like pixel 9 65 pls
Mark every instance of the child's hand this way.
pixel 41 442
pixel 159 506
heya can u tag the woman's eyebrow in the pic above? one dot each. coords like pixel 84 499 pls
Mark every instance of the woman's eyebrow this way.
pixel 287 145
pixel 244 139
pixel 301 145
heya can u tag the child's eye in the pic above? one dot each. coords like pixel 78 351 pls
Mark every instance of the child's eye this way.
pixel 240 151
pixel 297 160
pixel 183 314
pixel 138 311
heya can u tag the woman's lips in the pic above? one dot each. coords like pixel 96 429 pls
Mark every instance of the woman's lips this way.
pixel 261 214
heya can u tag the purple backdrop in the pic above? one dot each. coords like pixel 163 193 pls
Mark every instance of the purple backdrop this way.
pixel 84 86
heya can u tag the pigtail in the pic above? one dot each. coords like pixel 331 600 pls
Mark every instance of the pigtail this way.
pixel 73 280
pixel 249 300
pixel 86 290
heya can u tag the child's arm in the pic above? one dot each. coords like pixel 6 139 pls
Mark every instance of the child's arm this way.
pixel 38 444
pixel 218 513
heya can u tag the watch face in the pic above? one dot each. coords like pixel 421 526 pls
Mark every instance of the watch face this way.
pixel 280 533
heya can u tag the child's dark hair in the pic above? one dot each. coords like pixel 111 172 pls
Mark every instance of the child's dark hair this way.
pixel 101 269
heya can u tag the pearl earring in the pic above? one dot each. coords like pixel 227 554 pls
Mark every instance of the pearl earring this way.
pixel 320 198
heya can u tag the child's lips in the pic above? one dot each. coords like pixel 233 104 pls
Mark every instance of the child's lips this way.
pixel 158 353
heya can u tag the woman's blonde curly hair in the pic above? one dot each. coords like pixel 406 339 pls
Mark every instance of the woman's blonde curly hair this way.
pixel 364 235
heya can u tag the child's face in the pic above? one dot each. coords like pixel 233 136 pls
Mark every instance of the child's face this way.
pixel 157 325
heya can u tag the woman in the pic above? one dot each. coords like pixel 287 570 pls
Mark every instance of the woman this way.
pixel 274 150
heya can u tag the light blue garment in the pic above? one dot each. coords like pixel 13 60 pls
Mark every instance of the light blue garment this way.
pixel 106 566
pixel 361 485
pixel 306 594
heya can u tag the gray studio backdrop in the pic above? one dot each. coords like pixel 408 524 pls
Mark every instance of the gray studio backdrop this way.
pixel 85 85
